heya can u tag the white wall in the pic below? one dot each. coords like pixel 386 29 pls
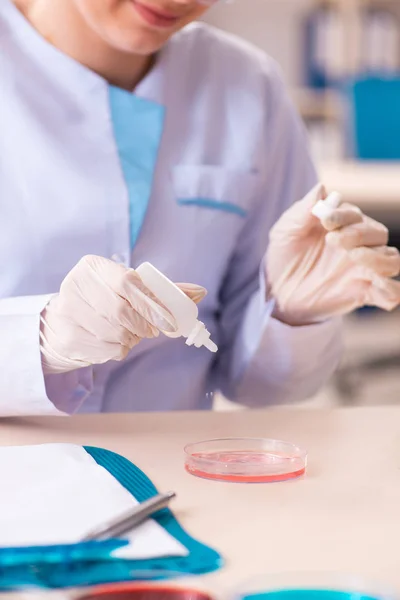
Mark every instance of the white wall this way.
pixel 274 25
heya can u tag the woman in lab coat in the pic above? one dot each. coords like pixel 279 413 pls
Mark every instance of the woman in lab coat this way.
pixel 128 134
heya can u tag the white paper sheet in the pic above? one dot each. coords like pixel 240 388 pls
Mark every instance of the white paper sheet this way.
pixel 57 493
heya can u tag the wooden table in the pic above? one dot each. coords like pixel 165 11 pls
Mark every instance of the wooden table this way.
pixel 344 515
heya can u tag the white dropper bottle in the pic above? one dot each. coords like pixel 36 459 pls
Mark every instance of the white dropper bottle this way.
pixel 183 309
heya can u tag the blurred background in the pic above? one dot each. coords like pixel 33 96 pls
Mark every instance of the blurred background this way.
pixel 341 60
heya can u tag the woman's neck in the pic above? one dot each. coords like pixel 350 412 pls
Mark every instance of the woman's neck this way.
pixel 56 19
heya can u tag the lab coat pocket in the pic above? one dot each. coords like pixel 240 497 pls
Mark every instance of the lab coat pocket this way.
pixel 215 189
pixel 213 207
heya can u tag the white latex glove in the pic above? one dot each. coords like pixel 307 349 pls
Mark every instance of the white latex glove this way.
pixel 314 274
pixel 102 311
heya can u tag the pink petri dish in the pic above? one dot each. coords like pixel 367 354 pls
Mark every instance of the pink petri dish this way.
pixel 144 591
pixel 245 460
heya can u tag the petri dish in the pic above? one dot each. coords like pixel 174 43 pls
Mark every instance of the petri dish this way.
pixel 245 460
pixel 313 586
pixel 148 584
pixel 144 591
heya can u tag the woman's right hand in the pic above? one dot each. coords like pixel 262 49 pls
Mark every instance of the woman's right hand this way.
pixel 101 312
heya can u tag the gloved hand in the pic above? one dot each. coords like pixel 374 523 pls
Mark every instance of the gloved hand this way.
pixel 316 270
pixel 102 311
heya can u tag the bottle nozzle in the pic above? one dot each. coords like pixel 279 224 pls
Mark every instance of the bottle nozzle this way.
pixel 201 337
pixel 209 344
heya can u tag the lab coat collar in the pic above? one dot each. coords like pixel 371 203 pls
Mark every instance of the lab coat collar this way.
pixel 152 86
pixel 68 72
pixel 64 70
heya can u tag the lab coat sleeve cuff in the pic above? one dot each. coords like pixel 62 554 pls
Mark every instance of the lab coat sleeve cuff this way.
pixel 277 363
pixel 24 391
pixel 68 391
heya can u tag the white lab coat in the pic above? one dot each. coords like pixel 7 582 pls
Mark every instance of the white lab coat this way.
pixel 188 173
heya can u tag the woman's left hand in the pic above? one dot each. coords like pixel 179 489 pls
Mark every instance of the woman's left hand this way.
pixel 319 270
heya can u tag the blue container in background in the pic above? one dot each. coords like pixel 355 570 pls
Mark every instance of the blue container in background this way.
pixel 374 118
